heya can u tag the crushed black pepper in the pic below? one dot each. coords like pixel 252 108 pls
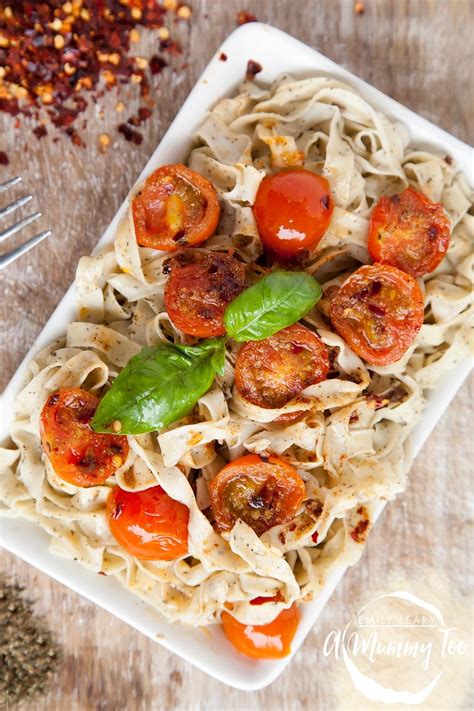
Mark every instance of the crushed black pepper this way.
pixel 29 654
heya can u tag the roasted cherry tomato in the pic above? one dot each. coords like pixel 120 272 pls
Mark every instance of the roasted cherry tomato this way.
pixel 198 290
pixel 176 207
pixel 79 455
pixel 293 210
pixel 410 232
pixel 271 372
pixel 378 311
pixel 261 492
pixel 271 641
pixel 148 524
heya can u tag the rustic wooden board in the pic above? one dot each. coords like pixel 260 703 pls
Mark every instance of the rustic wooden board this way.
pixel 411 50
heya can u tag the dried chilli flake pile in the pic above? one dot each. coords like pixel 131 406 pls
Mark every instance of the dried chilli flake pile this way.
pixel 29 656
pixel 53 53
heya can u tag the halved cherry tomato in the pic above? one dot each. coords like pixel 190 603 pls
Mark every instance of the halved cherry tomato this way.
pixel 176 207
pixel 198 290
pixel 261 492
pixel 293 210
pixel 271 641
pixel 378 311
pixel 410 232
pixel 79 455
pixel 148 524
pixel 271 372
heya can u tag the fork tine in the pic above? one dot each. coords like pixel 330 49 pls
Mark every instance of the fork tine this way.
pixel 18 226
pixel 10 257
pixel 4 211
pixel 10 183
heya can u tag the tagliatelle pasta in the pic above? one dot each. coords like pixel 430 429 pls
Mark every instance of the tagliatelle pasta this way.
pixel 351 445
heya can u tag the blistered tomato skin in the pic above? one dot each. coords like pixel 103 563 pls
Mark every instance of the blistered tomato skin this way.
pixel 79 455
pixel 177 207
pixel 263 492
pixel 410 232
pixel 270 372
pixel 199 288
pixel 292 210
pixel 271 641
pixel 148 524
pixel 378 311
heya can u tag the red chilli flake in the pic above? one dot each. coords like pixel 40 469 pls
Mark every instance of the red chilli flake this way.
pixel 40 131
pixel 261 600
pixel 253 68
pixel 359 533
pixel 130 134
pixel 4 159
pixel 144 113
pixel 135 120
pixel 171 47
pixel 138 119
pixel 157 64
pixel 243 16
pixel 223 57
pixel 53 52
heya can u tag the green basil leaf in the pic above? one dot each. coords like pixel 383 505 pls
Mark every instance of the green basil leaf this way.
pixel 276 301
pixel 159 386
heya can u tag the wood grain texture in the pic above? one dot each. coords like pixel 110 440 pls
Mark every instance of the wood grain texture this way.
pixel 413 51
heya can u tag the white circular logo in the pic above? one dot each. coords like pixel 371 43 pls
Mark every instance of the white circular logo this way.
pixel 395 647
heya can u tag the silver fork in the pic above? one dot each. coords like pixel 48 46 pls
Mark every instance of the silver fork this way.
pixel 9 257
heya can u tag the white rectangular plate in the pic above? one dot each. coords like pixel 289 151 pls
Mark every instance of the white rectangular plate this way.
pixel 277 52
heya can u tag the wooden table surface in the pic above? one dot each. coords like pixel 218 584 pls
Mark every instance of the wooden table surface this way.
pixel 413 51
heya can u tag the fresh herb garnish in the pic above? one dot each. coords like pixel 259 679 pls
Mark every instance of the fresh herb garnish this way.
pixel 159 386
pixel 276 301
pixel 163 383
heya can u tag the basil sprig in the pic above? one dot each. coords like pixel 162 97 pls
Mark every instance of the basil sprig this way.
pixel 163 383
pixel 159 386
pixel 276 301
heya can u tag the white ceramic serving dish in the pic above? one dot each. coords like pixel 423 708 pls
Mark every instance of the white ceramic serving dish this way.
pixel 208 650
